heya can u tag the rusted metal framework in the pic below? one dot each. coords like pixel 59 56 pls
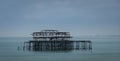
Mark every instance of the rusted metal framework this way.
pixel 53 40
pixel 51 35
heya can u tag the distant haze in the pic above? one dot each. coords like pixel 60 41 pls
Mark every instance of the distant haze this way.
pixel 80 17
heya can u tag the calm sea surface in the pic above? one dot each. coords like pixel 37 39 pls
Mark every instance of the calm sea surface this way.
pixel 105 48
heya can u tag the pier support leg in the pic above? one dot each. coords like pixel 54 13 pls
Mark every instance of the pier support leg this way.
pixel 77 45
pixel 29 46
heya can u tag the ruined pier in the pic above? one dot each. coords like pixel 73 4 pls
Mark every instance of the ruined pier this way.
pixel 53 40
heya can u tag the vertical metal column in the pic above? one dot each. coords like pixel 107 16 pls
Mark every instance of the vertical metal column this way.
pixel 77 45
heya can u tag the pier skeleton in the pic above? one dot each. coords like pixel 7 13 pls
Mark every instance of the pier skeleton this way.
pixel 53 40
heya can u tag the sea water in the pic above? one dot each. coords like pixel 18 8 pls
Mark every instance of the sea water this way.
pixel 104 48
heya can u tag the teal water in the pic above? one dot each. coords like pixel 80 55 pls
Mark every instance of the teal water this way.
pixel 105 48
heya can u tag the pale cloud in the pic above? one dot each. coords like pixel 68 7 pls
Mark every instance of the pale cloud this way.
pixel 85 17
pixel 69 8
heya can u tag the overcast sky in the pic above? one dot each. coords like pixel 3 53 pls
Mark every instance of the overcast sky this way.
pixel 80 17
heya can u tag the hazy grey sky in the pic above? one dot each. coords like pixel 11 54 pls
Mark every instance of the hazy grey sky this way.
pixel 80 17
